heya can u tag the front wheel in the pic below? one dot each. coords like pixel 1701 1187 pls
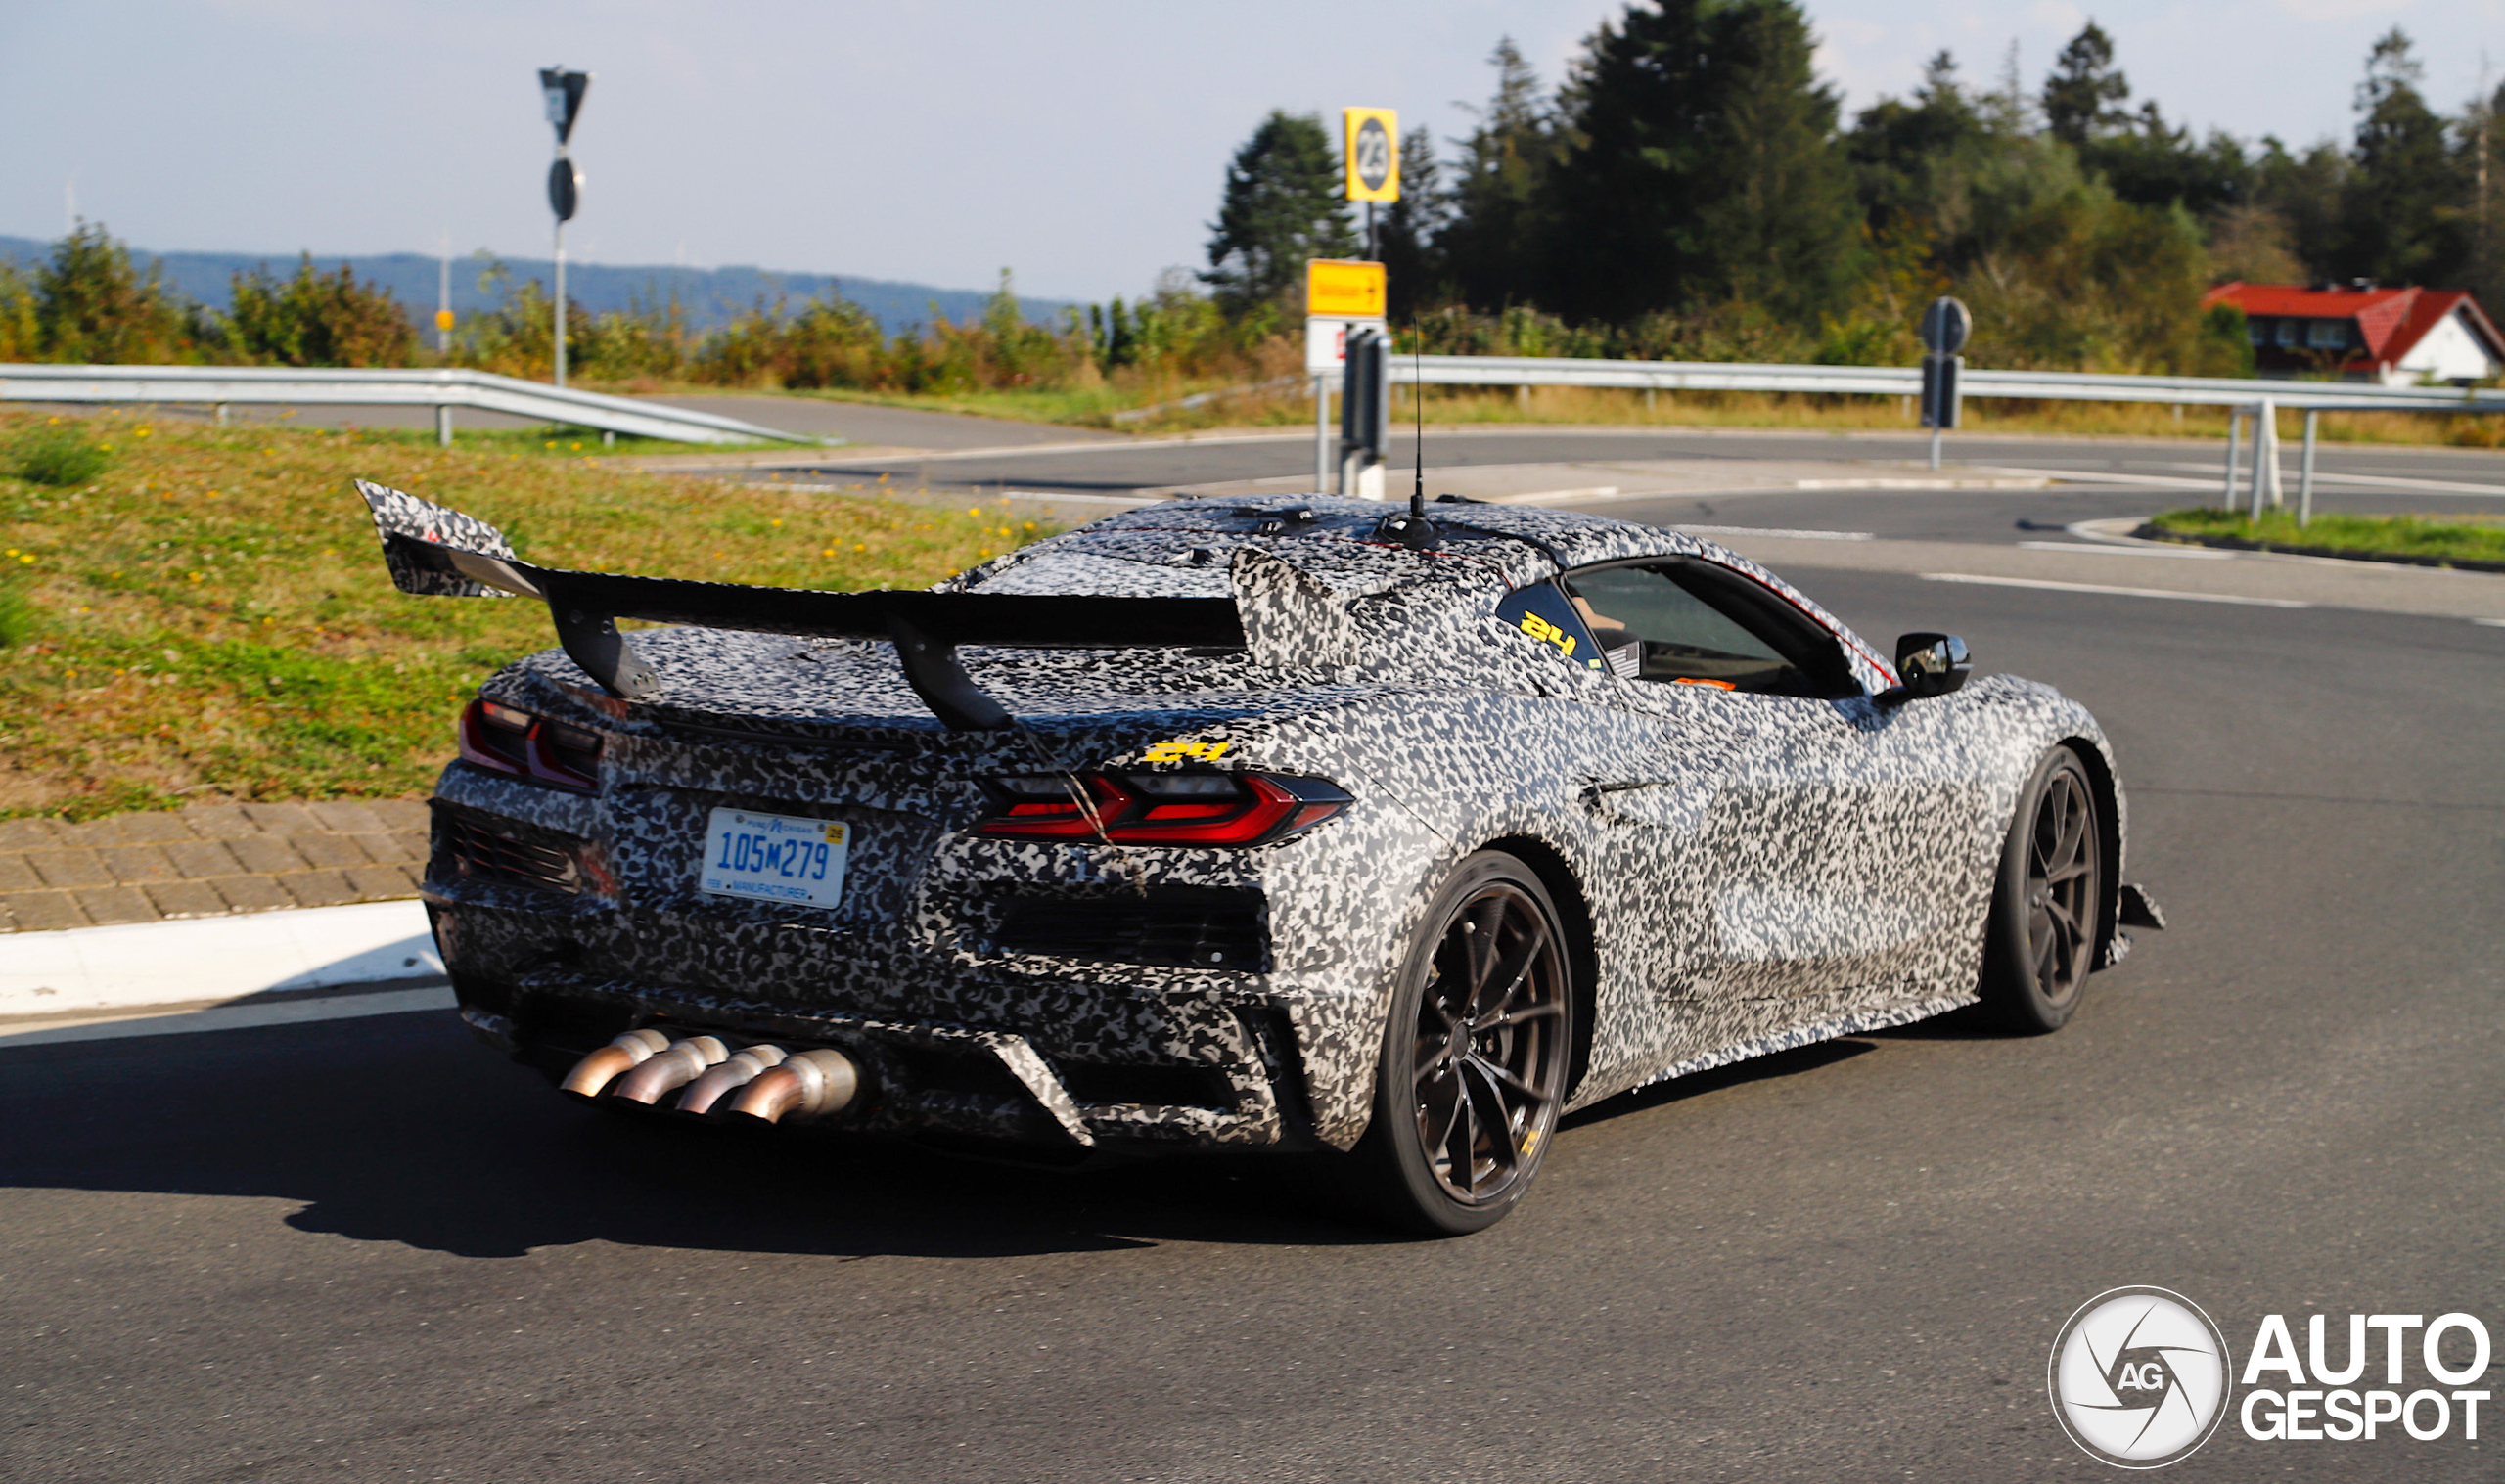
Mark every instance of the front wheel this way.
pixel 2041 941
pixel 1475 1055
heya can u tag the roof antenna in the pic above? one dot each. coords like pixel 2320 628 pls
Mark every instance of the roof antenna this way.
pixel 1416 531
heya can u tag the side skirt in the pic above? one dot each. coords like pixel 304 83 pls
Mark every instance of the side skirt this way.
pixel 1783 1041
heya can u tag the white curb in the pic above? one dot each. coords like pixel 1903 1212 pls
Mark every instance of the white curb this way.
pixel 198 959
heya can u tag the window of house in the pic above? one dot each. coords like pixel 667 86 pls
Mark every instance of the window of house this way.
pixel 1688 621
pixel 2328 335
pixel 2258 330
pixel 2291 331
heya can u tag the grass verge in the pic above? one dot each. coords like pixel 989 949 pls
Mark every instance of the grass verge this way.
pixel 2454 538
pixel 208 617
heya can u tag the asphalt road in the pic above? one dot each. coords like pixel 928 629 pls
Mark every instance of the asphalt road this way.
pixel 2370 479
pixel 369 1249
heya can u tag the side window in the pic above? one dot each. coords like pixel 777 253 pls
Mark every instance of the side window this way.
pixel 1544 613
pixel 1685 621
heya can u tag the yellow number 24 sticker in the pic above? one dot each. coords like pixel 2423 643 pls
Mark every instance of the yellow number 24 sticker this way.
pixel 1176 752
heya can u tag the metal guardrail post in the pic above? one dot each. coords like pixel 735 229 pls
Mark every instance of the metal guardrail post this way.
pixel 443 423
pixel 2235 453
pixel 2265 456
pixel 2305 476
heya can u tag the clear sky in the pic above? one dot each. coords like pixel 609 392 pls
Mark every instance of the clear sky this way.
pixel 1081 143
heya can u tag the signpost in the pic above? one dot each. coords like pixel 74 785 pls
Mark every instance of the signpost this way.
pixel 564 91
pixel 1341 298
pixel 1371 145
pixel 1945 325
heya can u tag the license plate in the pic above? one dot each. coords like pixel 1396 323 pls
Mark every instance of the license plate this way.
pixel 774 858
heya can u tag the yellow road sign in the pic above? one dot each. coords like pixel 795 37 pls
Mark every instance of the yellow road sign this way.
pixel 443 319
pixel 1339 287
pixel 1372 148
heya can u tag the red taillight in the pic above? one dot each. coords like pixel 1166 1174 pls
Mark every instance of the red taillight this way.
pixel 502 739
pixel 1158 808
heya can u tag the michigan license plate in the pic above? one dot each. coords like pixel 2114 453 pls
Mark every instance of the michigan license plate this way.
pixel 774 858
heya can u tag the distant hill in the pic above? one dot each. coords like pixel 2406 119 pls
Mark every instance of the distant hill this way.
pixel 709 296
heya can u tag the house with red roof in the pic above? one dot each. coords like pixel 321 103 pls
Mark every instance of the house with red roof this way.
pixel 2398 337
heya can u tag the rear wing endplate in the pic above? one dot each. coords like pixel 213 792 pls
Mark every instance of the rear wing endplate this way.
pixel 436 551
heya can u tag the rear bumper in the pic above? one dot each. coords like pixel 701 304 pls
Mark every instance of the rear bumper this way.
pixel 1088 1060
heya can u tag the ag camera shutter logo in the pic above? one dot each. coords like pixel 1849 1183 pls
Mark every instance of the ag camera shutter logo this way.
pixel 2138 1378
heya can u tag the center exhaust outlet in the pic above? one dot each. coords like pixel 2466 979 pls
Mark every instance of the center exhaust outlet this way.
pixel 744 1068
pixel 811 1084
pixel 669 1070
pixel 597 1070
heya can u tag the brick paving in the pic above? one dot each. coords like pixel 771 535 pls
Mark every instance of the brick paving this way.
pixel 208 860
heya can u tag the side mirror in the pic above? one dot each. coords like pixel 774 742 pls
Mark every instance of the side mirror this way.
pixel 1928 664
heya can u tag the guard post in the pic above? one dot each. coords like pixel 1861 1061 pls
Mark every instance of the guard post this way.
pixel 1945 326
pixel 1365 412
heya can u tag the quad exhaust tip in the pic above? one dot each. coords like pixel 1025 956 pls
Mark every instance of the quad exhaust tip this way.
pixel 762 1084
pixel 596 1071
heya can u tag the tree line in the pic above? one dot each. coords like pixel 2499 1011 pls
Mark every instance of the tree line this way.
pixel 1689 188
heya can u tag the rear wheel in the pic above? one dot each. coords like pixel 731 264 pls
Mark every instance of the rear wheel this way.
pixel 2041 942
pixel 1475 1055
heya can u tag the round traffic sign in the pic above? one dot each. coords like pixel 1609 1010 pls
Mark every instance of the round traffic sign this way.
pixel 1374 154
pixel 564 189
pixel 1945 326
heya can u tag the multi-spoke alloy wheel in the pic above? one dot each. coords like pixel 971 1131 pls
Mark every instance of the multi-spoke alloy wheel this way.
pixel 2042 939
pixel 1476 1056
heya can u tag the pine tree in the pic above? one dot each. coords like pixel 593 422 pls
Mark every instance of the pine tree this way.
pixel 1491 248
pixel 2084 95
pixel 2401 217
pixel 1285 201
pixel 1408 236
pixel 1702 166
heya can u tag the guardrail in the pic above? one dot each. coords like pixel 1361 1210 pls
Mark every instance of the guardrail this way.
pixel 2251 398
pixel 445 390
pixel 1906 382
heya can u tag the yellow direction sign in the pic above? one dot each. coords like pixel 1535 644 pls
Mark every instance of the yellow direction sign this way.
pixel 1372 148
pixel 1336 287
pixel 443 319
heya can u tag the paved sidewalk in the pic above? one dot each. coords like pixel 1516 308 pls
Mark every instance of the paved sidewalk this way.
pixel 208 860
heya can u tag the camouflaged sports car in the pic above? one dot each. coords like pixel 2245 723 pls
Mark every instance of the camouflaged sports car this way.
pixel 1292 824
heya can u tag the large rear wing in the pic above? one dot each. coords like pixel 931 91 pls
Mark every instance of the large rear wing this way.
pixel 436 551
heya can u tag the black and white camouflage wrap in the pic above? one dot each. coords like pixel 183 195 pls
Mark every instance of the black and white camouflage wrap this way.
pixel 1749 872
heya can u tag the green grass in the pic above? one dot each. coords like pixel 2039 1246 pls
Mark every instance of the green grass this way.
pixel 57 452
pixel 2454 538
pixel 211 618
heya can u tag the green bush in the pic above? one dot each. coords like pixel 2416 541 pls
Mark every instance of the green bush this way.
pixel 58 453
pixel 92 306
pixel 318 319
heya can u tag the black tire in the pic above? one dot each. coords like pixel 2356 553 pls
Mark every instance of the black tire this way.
pixel 2040 945
pixel 1476 1053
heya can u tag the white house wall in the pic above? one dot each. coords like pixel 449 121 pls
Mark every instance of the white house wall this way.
pixel 2449 351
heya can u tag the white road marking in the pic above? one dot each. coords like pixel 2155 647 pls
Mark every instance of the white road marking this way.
pixel 2100 477
pixel 2493 623
pixel 2194 553
pixel 2322 476
pixel 390 1001
pixel 2125 592
pixel 1775 531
